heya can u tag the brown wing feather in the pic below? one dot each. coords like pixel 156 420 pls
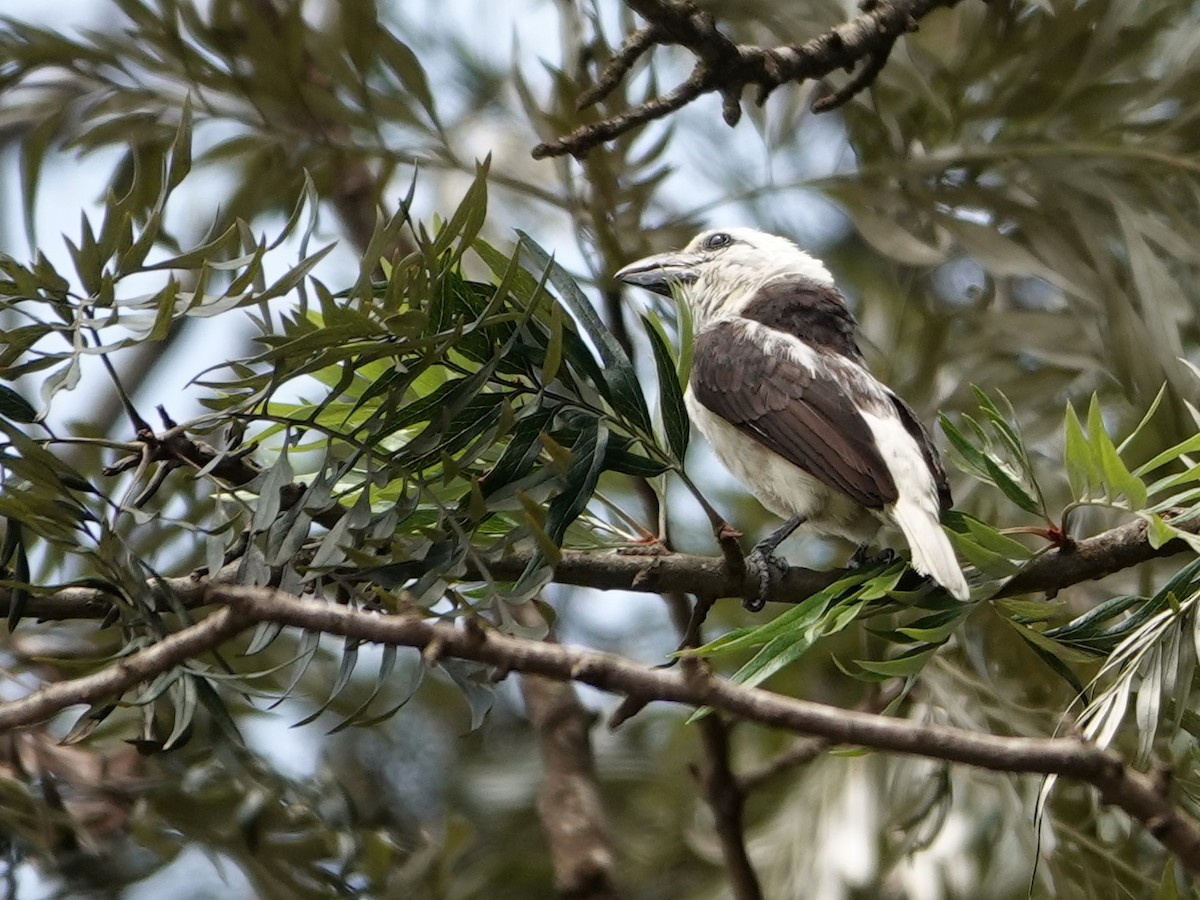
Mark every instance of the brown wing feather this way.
pixel 808 421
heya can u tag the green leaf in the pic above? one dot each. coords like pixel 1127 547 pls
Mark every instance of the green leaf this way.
pixel 618 459
pixel 1189 445
pixel 14 407
pixel 801 616
pixel 1145 421
pixel 345 670
pixel 404 64
pixel 183 702
pixel 1168 886
pixel 19 594
pixel 1088 625
pixel 618 372
pixel 674 413
pixel 971 455
pixel 934 629
pixel 1082 473
pixel 587 462
pixel 181 148
pixel 1117 478
pixel 987 537
pixel 908 663
pixel 1011 489
pixel 779 652
pixel 1049 645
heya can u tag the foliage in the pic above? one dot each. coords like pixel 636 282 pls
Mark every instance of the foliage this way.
pixel 1019 194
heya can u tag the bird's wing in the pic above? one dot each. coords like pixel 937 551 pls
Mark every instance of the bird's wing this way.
pixel 912 424
pixel 793 410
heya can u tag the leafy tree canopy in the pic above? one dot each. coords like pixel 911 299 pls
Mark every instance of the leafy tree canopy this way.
pixel 425 437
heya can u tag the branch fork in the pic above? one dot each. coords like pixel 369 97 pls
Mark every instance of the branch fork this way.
pixel 864 43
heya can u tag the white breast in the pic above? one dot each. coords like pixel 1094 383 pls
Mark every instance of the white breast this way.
pixel 783 488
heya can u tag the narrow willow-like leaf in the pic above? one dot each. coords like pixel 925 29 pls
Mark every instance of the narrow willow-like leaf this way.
pixel 387 662
pixel 971 455
pixel 310 642
pixel 618 371
pixel 1188 445
pixel 183 703
pixel 587 462
pixel 278 476
pixel 988 537
pixel 1145 421
pixel 801 616
pixel 1011 488
pixel 1118 480
pixel 472 679
pixel 1055 648
pixel 345 670
pixel 676 424
pixel 14 407
pixel 1087 626
pixel 1082 473
pixel 907 663
pixel 88 722
pixel 19 593
pixel 180 154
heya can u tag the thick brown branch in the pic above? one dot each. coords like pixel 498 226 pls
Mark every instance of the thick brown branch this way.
pixel 1088 559
pixel 726 67
pixel 1136 793
pixel 1095 557
pixel 1140 795
pixel 806 749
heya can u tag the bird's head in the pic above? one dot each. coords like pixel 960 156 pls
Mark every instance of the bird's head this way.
pixel 720 270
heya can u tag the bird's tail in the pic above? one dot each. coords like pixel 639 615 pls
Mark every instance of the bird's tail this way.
pixel 932 553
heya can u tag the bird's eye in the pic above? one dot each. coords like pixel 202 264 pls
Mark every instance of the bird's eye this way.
pixel 717 241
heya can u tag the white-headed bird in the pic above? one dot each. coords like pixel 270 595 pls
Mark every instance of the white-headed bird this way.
pixel 780 391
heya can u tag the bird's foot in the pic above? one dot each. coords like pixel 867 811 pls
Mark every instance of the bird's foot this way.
pixel 862 559
pixel 651 546
pixel 769 568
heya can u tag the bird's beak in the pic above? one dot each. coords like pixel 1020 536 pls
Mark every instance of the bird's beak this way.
pixel 658 273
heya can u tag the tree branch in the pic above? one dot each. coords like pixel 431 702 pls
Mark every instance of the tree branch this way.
pixel 1140 795
pixel 725 797
pixel 724 66
pixel 806 749
pixel 1088 559
pixel 126 672
pixel 569 804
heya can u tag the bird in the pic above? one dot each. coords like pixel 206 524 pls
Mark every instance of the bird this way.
pixel 781 392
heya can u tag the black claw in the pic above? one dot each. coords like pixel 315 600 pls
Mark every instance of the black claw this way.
pixel 863 560
pixel 754 604
pixel 769 567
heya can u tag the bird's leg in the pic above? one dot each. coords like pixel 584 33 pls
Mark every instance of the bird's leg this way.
pixel 863 560
pixel 762 559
